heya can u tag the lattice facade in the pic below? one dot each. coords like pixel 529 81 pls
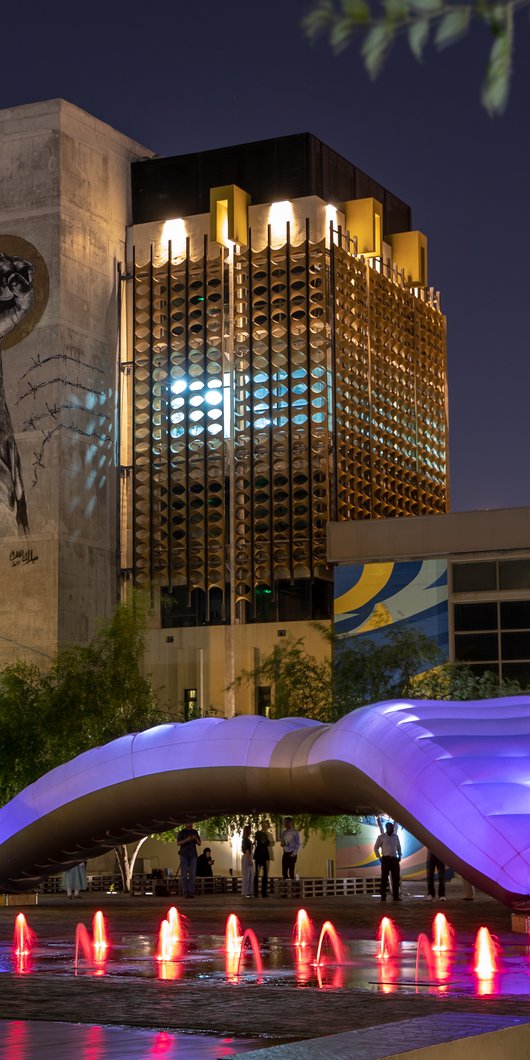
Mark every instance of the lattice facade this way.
pixel 337 410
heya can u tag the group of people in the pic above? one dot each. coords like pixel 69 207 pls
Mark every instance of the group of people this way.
pixel 256 854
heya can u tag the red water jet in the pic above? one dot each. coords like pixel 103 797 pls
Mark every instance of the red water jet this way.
pixel 336 944
pixel 82 939
pixel 100 943
pixel 303 929
pixel 486 950
pixel 177 925
pixel 388 938
pixel 24 937
pixel 442 934
pixel 250 935
pixel 233 935
pixel 424 947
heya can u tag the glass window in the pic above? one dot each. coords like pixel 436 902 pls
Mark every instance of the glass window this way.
pixel 475 616
pixel 471 647
pixel 484 668
pixel 515 645
pixel 519 671
pixel 514 574
pixel 515 614
pixel 474 577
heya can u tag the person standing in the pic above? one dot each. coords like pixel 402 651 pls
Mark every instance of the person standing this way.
pixel 388 848
pixel 74 880
pixel 290 841
pixel 435 864
pixel 188 840
pixel 261 859
pixel 247 864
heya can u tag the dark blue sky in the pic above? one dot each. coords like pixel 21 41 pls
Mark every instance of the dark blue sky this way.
pixel 183 78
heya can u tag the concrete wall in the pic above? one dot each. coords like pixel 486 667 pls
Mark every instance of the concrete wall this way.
pixel 199 658
pixel 65 192
pixel 456 533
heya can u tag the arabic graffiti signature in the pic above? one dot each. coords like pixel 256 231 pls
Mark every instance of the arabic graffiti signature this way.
pixel 21 557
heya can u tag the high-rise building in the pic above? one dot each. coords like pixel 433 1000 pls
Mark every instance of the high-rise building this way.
pixel 283 365
pixel 205 359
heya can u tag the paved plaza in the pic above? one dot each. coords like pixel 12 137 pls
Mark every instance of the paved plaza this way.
pixel 275 1012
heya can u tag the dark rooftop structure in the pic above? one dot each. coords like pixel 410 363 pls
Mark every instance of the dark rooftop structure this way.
pixel 286 167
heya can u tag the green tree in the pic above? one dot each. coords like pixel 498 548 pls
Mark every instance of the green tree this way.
pixel 379 22
pixel 364 671
pixel 457 681
pixel 91 694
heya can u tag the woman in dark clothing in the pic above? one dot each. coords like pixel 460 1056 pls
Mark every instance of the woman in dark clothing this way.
pixel 205 862
pixel 261 859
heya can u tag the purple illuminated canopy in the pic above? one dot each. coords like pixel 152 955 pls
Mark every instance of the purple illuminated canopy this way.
pixel 457 775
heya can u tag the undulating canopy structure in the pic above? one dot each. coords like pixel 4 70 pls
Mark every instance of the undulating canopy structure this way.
pixel 457 775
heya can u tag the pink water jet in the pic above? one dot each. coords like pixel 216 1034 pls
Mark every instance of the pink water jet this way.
pixel 100 943
pixel 442 934
pixel 338 949
pixel 177 925
pixel 82 939
pixel 486 950
pixel 303 929
pixel 250 935
pixel 233 935
pixel 388 938
pixel 424 949
pixel 24 937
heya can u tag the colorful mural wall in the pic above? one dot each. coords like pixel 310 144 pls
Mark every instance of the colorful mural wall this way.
pixel 371 598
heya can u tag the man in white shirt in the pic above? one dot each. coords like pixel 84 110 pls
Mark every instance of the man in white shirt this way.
pixel 290 841
pixel 388 848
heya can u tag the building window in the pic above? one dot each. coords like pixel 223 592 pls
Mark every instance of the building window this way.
pixel 471 618
pixel 514 574
pixel 263 700
pixel 476 647
pixel 474 577
pixel 515 614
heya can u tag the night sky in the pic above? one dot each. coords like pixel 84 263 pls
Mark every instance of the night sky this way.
pixel 182 78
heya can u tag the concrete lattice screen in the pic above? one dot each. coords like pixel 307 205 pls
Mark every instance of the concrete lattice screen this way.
pixel 457 775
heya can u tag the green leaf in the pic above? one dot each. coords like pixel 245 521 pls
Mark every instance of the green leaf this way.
pixel 358 11
pixel 427 7
pixel 497 84
pixel 452 27
pixel 319 19
pixel 418 34
pixel 396 10
pixel 375 47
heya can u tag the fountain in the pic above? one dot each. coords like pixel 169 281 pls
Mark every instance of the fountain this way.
pixel 171 935
pixel 303 930
pixel 442 933
pixel 424 948
pixel 100 943
pixel 486 950
pixel 388 938
pixel 82 939
pixel 338 949
pixel 23 938
pixel 251 936
pixel 233 935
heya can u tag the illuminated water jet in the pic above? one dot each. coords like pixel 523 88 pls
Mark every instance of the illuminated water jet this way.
pixel 486 950
pixel 82 939
pixel 250 935
pixel 23 937
pixel 388 938
pixel 99 937
pixel 303 929
pixel 442 934
pixel 424 949
pixel 338 949
pixel 233 935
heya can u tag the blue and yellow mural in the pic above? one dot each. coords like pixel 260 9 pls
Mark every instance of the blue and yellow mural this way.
pixel 370 598
pixel 355 853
